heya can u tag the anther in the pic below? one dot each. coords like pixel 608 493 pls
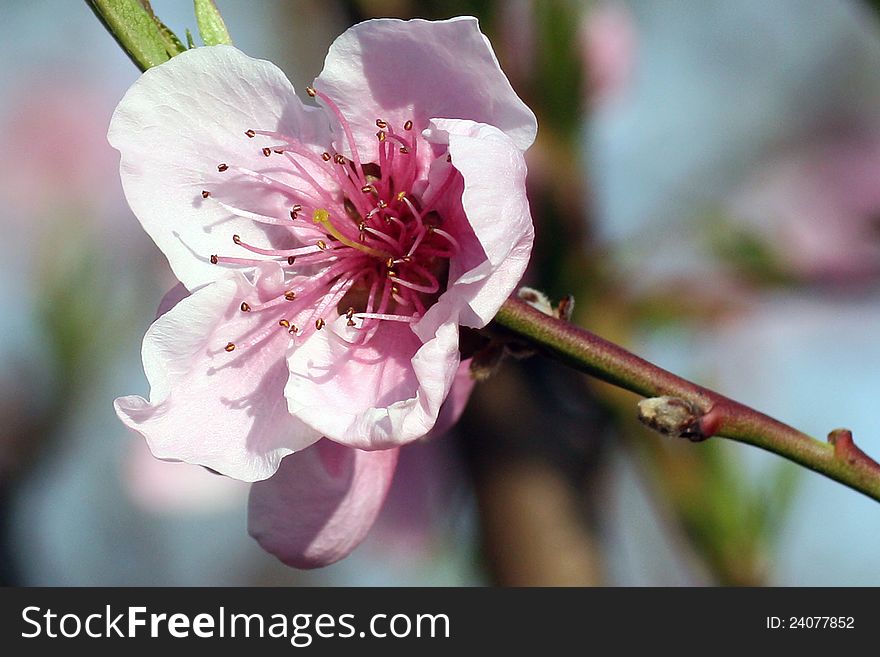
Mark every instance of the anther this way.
pixel 311 91
pixel 284 323
pixel 319 323
pixel 449 157
pixel 382 203
pixel 390 262
pixel 290 295
pixel 280 151
pixel 250 133
pixel 325 156
pixel 293 214
pixel 404 150
pixel 339 159
pixel 236 239
pixel 296 208
pixel 350 322
pixel 222 167
pixel 321 244
pixel 229 346
pixel 366 189
pixel 381 135
pixel 267 151
pixel 392 274
pixel 245 307
pixel 205 193
pixel 381 124
pixel 408 125
pixel 214 260
pixel 401 195
pixel 291 260
pixel 293 330
pixel 349 313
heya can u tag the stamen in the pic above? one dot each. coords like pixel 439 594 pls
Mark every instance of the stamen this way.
pixel 322 217
pixel 385 316
pixel 245 307
pixel 253 216
pixel 447 236
pixel 346 128
pixel 427 289
pixel 290 254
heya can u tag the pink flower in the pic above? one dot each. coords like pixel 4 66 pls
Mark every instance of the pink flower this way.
pixel 330 254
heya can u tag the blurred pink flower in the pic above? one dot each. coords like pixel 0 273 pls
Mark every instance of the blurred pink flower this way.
pixel 609 50
pixel 330 255
pixel 818 205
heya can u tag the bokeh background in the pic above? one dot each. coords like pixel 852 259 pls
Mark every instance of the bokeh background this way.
pixel 706 182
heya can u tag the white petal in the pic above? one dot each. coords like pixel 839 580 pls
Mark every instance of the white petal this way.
pixel 182 119
pixel 416 70
pixel 223 410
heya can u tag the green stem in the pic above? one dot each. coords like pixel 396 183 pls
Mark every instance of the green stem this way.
pixel 838 458
pixel 134 29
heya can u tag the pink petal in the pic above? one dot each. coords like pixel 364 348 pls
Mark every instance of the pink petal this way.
pixel 222 410
pixel 417 70
pixel 380 395
pixel 456 400
pixel 321 503
pixel 497 213
pixel 173 128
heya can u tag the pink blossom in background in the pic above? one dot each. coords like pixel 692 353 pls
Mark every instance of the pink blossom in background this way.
pixel 609 50
pixel 818 205
pixel 330 254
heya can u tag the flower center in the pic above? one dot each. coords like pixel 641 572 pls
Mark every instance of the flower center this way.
pixel 364 237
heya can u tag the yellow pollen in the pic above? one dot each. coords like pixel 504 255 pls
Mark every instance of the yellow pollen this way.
pixel 401 196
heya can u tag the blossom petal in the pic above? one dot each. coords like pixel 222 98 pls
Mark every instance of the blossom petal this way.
pixel 321 503
pixel 417 70
pixel 223 410
pixel 177 124
pixel 456 400
pixel 496 210
pixel 374 396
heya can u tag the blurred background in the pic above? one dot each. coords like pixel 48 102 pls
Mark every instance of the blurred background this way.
pixel 706 183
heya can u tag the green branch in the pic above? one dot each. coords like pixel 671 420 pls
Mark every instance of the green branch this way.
pixel 682 408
